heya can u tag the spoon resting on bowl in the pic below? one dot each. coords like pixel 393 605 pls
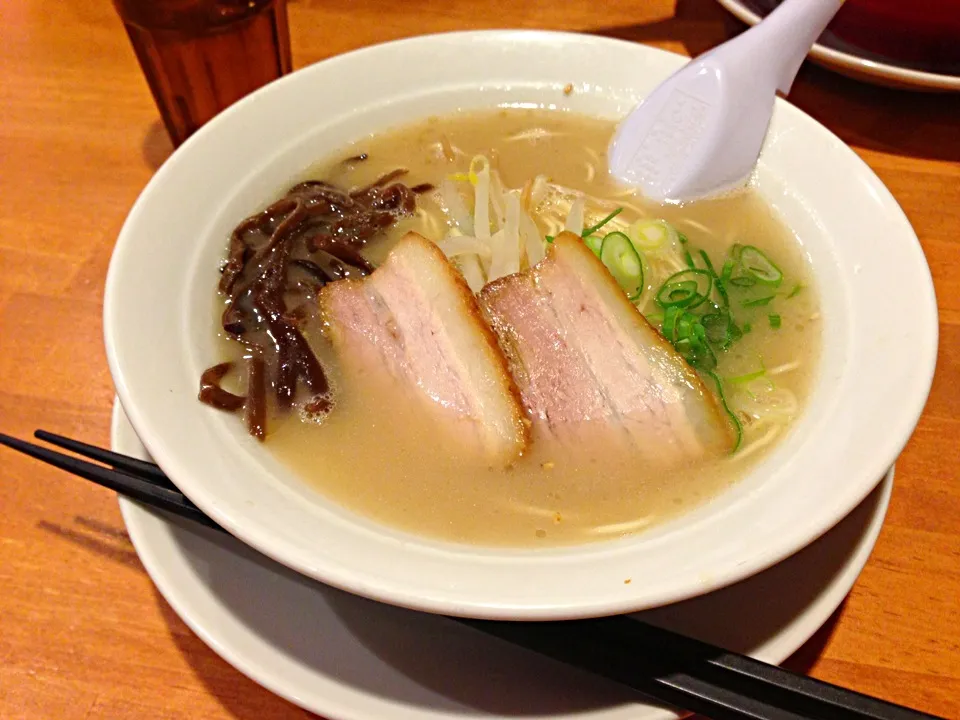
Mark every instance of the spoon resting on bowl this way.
pixel 699 133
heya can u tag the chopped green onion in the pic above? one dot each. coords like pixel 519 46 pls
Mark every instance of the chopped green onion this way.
pixel 654 318
pixel 757 302
pixel 734 420
pixel 622 260
pixel 796 290
pixel 688 336
pixel 694 350
pixel 706 262
pixel 752 387
pixel 717 283
pixel 735 332
pixel 775 321
pixel 756 264
pixel 685 326
pixel 686 252
pixel 593 228
pixel 743 281
pixel 670 316
pixel 727 271
pixel 549 238
pixel 747 327
pixel 721 330
pixel 647 235
pixel 686 289
pixel 704 359
pixel 717 327
pixel 595 243
pixel 748 376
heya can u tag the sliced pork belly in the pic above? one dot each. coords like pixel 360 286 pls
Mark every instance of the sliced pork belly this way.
pixel 586 359
pixel 555 381
pixel 416 319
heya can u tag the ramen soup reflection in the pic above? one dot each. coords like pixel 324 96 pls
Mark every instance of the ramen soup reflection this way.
pixel 387 455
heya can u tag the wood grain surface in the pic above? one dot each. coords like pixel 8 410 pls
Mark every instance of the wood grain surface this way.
pixel 84 634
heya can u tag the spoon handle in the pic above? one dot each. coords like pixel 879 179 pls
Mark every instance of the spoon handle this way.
pixel 788 33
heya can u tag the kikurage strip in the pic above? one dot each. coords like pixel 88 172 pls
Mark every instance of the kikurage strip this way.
pixel 285 384
pixel 212 394
pixel 380 181
pixel 346 254
pixel 255 409
pixel 314 270
pixel 326 224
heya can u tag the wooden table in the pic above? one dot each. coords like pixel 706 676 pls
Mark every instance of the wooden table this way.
pixel 83 633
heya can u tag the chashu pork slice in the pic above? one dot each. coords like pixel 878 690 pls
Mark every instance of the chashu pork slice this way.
pixel 415 319
pixel 589 365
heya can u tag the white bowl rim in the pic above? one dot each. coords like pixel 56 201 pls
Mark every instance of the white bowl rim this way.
pixel 248 527
pixel 332 700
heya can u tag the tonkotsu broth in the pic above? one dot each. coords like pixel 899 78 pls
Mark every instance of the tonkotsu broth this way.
pixel 381 454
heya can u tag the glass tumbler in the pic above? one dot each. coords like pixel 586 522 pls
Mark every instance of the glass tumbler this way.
pixel 200 56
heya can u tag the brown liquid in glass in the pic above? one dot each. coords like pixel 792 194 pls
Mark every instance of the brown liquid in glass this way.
pixel 200 56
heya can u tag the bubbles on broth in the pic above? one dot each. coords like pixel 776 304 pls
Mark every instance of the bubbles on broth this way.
pixel 319 408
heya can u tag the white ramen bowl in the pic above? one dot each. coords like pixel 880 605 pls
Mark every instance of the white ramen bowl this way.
pixel 879 326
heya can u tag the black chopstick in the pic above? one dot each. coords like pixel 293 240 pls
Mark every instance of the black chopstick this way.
pixel 126 481
pixel 133 466
pixel 661 664
pixel 691 674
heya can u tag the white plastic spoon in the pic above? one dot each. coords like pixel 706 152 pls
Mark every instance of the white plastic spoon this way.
pixel 699 133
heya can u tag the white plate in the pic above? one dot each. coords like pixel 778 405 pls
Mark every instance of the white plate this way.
pixel 347 658
pixel 159 309
pixel 848 62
